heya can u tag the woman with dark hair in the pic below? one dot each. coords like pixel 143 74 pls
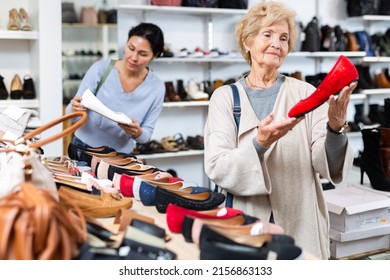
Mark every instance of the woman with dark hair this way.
pixel 130 87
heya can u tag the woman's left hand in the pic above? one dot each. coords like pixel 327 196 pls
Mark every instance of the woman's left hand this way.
pixel 337 112
pixel 133 129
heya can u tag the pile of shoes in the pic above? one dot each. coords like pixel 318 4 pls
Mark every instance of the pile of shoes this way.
pixel 229 234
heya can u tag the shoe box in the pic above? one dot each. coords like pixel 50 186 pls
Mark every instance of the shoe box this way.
pixel 359 220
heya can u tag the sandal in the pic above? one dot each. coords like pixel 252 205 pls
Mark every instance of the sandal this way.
pixel 181 143
pixel 151 148
pixel 169 144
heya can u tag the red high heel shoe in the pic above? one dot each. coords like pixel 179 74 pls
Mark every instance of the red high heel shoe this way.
pixel 342 74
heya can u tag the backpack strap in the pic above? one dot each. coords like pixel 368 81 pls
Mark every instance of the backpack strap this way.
pixel 237 116
pixel 105 75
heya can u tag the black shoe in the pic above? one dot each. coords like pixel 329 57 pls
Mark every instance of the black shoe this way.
pixel 3 89
pixel 28 88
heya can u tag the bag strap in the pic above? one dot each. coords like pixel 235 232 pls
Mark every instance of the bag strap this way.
pixel 237 116
pixel 25 138
pixel 105 75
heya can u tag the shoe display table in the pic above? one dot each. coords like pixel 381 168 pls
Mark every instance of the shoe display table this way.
pixel 177 244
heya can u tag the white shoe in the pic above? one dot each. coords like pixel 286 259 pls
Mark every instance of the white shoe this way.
pixel 195 93
pixel 91 102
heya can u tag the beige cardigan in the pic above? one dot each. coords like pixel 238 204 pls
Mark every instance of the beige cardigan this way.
pixel 286 179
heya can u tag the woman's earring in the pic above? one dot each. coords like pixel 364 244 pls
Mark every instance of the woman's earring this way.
pixel 246 50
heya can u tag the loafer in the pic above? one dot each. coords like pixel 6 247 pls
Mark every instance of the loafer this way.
pixel 176 214
pixel 195 201
pixel 147 190
pixel 97 206
pixel 192 226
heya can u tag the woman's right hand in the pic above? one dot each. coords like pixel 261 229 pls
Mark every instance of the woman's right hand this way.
pixel 269 132
pixel 76 104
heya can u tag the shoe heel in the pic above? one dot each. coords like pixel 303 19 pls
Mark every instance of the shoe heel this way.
pixel 361 175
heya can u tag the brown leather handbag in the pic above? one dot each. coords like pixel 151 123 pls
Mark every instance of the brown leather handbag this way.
pixel 33 223
pixel 35 226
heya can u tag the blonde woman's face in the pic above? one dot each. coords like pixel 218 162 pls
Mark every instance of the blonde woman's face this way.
pixel 269 47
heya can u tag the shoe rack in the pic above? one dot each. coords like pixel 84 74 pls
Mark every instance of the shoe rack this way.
pixel 35 53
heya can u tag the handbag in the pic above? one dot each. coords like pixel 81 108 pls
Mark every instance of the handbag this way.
pixel 20 161
pixel 35 226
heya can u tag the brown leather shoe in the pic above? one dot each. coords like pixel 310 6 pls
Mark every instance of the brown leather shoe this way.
pixel 353 45
pixel 97 206
pixel 381 80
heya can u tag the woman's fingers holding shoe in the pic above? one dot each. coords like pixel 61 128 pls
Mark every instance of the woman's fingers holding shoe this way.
pixel 76 104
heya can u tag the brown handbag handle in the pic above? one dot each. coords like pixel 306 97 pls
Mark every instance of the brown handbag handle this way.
pixel 50 139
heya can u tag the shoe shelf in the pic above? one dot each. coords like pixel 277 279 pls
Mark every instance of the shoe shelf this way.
pixel 377 91
pixel 371 18
pixel 172 154
pixel 188 10
pixel 18 35
pixel 22 103
pixel 327 54
pixel 199 60
pixel 376 59
pixel 186 104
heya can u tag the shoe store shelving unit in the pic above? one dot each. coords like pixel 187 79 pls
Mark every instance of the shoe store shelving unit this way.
pixel 82 37
pixel 35 53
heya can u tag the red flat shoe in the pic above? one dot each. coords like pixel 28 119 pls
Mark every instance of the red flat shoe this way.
pixel 342 74
pixel 176 215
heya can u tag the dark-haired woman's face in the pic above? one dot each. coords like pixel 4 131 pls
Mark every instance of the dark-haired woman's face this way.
pixel 138 53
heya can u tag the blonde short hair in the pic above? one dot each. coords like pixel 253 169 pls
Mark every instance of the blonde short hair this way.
pixel 263 15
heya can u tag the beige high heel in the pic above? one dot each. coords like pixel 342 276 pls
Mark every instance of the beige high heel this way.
pixel 16 87
pixel 13 20
pixel 25 24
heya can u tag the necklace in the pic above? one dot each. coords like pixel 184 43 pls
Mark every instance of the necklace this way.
pixel 253 85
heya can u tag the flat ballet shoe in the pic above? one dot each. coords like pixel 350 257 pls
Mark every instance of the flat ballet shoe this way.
pixel 176 214
pixel 342 74
pixel 198 201
pixel 97 206
pixel 252 229
pixel 215 246
pixel 90 101
pixel 126 182
pixel 191 233
pixel 147 190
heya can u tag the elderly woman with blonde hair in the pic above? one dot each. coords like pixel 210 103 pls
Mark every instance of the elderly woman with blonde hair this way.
pixel 272 163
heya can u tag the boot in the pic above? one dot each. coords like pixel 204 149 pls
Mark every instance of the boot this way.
pixel 386 113
pixel 195 93
pixel 360 117
pixel 371 160
pixel 376 114
pixel 365 79
pixel 3 89
pixel 385 155
pixel 381 80
pixel 170 92
pixel 28 88
pixel 181 90
pixel 342 74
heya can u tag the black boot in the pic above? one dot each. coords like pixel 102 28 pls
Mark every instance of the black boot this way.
pixel 181 90
pixel 360 117
pixel 3 89
pixel 376 114
pixel 386 113
pixel 371 160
